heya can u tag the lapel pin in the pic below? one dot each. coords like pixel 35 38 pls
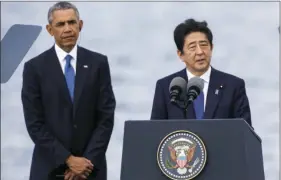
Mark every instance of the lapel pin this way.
pixel 216 92
pixel 85 66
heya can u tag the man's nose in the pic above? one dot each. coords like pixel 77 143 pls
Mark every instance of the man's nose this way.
pixel 198 49
pixel 67 27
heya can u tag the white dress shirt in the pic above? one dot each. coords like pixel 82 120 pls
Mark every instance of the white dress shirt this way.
pixel 62 54
pixel 206 78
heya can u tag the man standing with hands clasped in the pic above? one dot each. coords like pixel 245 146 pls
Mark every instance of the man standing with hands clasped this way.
pixel 68 104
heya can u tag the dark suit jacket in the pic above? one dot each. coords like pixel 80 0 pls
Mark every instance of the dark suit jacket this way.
pixel 59 127
pixel 230 102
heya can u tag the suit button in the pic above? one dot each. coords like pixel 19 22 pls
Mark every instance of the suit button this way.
pixel 75 126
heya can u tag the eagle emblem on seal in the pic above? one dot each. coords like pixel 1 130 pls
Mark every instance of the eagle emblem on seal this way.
pixel 181 155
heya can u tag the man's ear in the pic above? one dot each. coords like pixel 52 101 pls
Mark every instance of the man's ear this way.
pixel 49 29
pixel 212 47
pixel 180 55
pixel 80 25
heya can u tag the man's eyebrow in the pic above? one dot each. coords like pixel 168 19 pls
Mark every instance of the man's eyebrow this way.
pixel 72 20
pixel 193 42
pixel 68 21
pixel 204 41
pixel 60 22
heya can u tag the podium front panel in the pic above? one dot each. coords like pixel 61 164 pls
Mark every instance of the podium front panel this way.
pixel 223 139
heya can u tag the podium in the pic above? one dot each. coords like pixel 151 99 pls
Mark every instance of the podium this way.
pixel 227 149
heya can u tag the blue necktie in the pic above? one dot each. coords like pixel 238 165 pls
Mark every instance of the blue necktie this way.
pixel 199 106
pixel 69 76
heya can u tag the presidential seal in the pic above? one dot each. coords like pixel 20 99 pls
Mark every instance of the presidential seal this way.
pixel 181 155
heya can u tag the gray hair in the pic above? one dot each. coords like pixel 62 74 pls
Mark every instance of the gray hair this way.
pixel 63 5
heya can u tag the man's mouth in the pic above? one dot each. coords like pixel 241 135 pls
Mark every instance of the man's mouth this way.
pixel 68 37
pixel 200 60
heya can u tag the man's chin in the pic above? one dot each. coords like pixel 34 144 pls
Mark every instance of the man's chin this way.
pixel 68 47
pixel 70 44
pixel 202 68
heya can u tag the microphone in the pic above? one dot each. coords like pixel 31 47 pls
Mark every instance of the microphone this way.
pixel 194 87
pixel 177 89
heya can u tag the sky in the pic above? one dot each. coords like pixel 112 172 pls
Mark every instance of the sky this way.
pixel 137 37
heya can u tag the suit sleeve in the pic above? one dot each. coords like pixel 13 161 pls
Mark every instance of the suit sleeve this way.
pixel 241 104
pixel 99 141
pixel 34 117
pixel 159 109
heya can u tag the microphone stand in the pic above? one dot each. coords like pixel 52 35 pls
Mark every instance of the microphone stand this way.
pixel 182 104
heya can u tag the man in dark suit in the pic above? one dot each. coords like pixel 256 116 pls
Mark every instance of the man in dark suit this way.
pixel 223 95
pixel 68 104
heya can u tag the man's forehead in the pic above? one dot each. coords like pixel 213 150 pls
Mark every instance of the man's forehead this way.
pixel 64 15
pixel 196 37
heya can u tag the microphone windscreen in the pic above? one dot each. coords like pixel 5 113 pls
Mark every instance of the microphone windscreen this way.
pixel 178 82
pixel 196 81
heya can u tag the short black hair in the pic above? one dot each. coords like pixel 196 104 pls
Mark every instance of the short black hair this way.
pixel 189 26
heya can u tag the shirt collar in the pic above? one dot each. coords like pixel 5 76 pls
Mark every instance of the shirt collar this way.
pixel 205 76
pixel 62 54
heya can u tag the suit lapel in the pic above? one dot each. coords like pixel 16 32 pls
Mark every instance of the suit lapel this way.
pixel 213 95
pixel 56 73
pixel 82 69
pixel 190 110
